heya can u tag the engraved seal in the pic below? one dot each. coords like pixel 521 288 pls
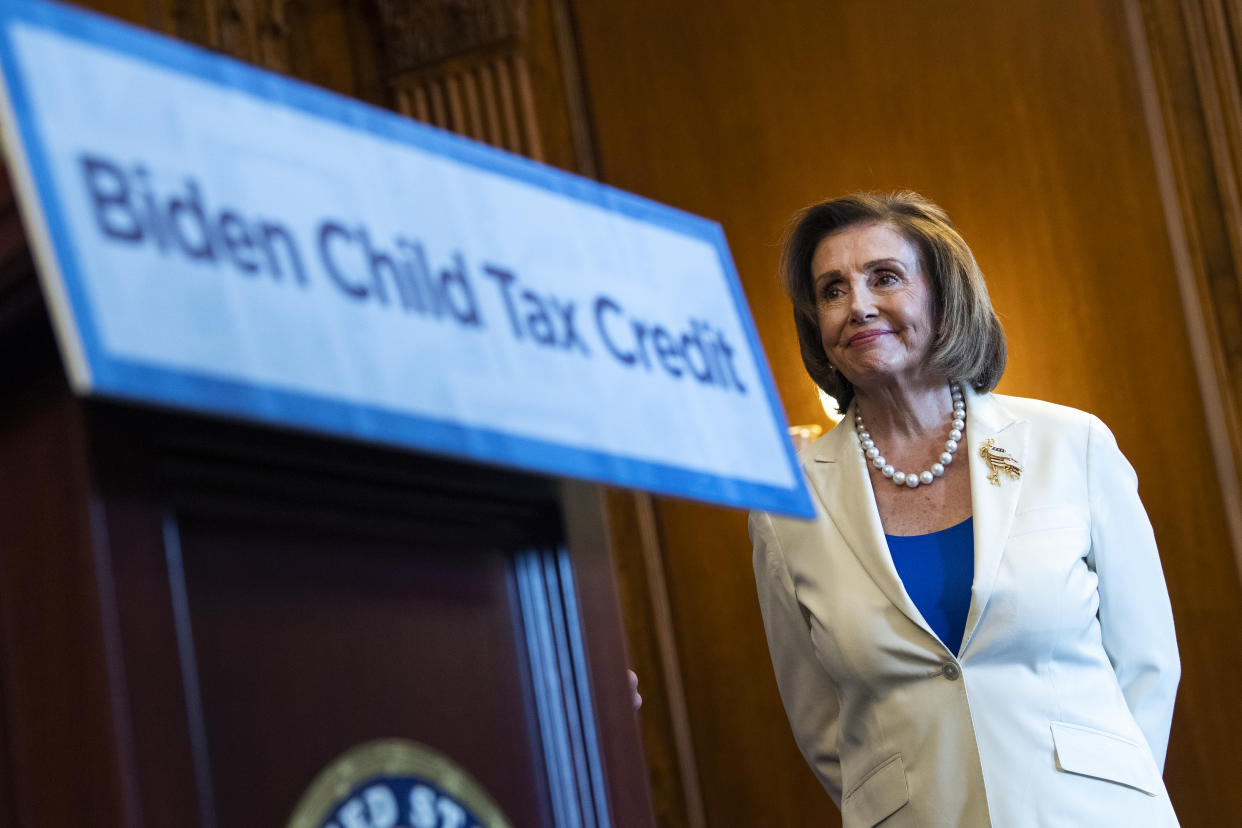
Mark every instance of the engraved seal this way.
pixel 395 783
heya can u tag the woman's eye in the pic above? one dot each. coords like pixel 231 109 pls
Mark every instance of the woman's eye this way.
pixel 831 292
pixel 886 277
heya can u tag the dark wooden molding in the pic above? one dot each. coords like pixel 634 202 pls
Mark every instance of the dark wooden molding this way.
pixel 1186 59
pixel 418 33
pixel 257 31
pixel 487 97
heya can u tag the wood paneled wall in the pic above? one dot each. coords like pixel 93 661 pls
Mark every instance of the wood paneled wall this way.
pixel 1026 120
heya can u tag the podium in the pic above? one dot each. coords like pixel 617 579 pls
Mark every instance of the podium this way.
pixel 292 533
pixel 198 616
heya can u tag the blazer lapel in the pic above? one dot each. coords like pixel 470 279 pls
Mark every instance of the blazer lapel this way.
pixel 993 505
pixel 838 473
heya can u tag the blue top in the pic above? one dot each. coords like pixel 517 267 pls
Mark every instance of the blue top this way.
pixel 937 570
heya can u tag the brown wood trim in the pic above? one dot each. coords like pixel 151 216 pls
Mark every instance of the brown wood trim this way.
pixel 1215 72
pixel 674 692
pixel 491 106
pixel 1186 196
pixel 508 105
pixel 532 144
pixel 581 130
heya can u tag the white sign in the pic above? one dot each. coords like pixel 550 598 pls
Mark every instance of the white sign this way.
pixel 218 238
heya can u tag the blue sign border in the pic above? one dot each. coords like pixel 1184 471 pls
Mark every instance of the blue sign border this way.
pixel 136 381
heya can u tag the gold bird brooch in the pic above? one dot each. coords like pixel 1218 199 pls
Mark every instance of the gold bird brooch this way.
pixel 998 460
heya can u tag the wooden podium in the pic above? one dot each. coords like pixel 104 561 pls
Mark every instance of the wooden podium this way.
pixel 196 616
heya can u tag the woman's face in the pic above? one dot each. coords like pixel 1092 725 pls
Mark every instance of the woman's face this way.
pixel 875 306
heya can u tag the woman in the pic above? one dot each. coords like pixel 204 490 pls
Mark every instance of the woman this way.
pixel 975 629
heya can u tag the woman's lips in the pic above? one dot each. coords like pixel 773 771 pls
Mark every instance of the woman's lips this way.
pixel 863 337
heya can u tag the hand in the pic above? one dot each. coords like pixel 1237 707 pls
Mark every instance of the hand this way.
pixel 638 700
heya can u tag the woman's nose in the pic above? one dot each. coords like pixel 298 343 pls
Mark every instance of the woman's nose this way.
pixel 862 305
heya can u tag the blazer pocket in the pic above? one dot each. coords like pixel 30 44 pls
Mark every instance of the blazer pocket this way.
pixel 1097 753
pixel 878 796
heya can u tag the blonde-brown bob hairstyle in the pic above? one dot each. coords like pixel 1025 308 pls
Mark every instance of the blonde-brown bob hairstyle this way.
pixel 969 344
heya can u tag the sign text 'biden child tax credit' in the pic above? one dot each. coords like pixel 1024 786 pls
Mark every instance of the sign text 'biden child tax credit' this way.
pixel 220 239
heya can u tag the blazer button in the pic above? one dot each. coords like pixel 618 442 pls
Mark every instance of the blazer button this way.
pixel 951 672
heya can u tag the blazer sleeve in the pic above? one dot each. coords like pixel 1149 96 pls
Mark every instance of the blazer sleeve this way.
pixel 1136 620
pixel 808 692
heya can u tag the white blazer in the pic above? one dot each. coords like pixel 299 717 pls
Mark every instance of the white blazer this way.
pixel 1056 710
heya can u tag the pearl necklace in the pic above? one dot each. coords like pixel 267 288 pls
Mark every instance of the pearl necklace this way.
pixel 925 477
